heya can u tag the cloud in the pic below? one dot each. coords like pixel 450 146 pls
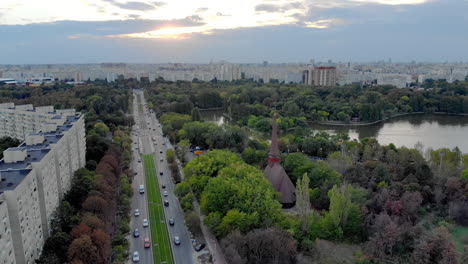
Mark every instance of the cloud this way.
pixel 324 23
pixel 273 8
pixel 133 5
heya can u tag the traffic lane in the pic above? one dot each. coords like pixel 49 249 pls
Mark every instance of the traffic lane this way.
pixel 139 202
pixel 182 252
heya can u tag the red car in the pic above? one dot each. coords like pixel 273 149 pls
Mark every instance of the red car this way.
pixel 147 243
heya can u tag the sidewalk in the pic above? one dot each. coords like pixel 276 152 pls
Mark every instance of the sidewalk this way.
pixel 211 241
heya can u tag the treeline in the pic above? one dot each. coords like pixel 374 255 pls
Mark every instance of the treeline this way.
pixel 92 221
pixel 247 99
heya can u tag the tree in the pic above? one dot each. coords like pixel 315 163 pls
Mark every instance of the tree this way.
pixel 271 245
pixel 82 249
pixel 435 247
pixel 303 200
pixel 195 114
pixel 101 129
pixel 192 220
pixel 290 108
pixel 170 155
pixel 95 204
pixel 241 192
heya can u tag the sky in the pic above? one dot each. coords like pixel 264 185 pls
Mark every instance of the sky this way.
pixel 238 31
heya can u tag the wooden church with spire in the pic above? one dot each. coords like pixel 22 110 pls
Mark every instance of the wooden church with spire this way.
pixel 275 173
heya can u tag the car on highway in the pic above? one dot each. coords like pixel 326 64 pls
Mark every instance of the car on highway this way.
pixel 145 222
pixel 171 221
pixel 147 243
pixel 136 233
pixel 142 189
pixel 136 256
pixel 139 160
pixel 166 202
pixel 163 186
pixel 165 193
pixel 137 212
pixel 176 240
pixel 161 151
pixel 200 246
pixel 161 173
pixel 161 159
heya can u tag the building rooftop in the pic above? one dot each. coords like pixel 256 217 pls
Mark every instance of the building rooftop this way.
pixel 12 178
pixel 12 174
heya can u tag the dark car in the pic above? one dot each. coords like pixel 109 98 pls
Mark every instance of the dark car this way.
pixel 166 202
pixel 161 173
pixel 171 221
pixel 163 186
pixel 200 246
pixel 161 151
pixel 136 233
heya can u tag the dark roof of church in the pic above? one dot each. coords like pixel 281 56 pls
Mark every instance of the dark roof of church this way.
pixel 275 173
pixel 281 183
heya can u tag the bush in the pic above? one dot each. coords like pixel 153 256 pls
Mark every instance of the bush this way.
pixel 192 220
pixel 187 202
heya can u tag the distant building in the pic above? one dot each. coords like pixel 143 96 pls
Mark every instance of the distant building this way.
pixel 275 173
pixel 320 76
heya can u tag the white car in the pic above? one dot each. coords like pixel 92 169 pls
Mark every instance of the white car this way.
pixel 136 256
pixel 145 222
pixel 165 193
pixel 176 240
pixel 161 159
pixel 137 212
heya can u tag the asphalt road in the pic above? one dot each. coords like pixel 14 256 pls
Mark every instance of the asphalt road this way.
pixel 139 201
pixel 149 129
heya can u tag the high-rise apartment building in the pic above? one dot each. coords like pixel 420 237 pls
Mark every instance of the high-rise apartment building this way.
pixel 34 177
pixel 320 76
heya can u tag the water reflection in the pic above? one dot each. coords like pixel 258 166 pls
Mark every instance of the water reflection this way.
pixel 435 131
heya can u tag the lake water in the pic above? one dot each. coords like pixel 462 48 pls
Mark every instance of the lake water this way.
pixel 435 131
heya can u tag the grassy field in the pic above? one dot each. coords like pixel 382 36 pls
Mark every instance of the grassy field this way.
pixel 161 242
pixel 459 235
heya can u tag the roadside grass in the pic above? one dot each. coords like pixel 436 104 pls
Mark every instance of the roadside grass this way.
pixel 161 242
pixel 460 236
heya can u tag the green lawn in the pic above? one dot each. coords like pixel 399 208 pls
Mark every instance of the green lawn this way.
pixel 161 242
pixel 459 235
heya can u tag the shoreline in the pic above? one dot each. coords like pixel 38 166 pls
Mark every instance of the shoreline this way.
pixel 339 123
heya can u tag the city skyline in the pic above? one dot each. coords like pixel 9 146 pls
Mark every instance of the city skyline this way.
pixel 235 31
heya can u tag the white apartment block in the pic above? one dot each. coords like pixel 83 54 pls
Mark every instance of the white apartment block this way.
pixel 7 255
pixel 33 179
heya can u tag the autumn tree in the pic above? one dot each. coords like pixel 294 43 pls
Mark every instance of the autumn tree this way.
pixel 82 249
pixel 435 247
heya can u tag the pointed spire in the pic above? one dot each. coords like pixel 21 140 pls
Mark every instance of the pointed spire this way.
pixel 274 154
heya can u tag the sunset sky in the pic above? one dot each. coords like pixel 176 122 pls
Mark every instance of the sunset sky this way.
pixel 81 31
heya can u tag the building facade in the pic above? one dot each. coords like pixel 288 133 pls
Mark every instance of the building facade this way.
pixel 34 177
pixel 320 76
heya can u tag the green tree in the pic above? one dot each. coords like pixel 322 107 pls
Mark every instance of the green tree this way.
pixel 101 129
pixel 195 114
pixel 303 200
pixel 244 188
pixel 170 155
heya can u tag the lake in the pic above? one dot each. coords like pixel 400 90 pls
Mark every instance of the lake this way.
pixel 434 131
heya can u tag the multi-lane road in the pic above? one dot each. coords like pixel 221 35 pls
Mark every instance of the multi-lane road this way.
pixel 148 139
